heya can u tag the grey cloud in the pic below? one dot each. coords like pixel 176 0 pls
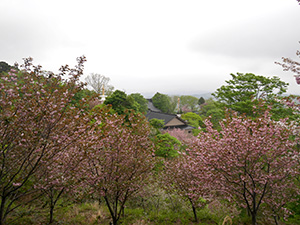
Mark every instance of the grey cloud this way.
pixel 25 36
pixel 267 37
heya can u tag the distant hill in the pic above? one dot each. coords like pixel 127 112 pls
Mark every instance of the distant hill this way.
pixel 204 95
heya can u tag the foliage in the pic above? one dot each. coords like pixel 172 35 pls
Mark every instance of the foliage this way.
pixel 185 109
pixel 99 83
pixel 60 175
pixel 193 119
pixel 67 213
pixel 120 102
pixel 156 207
pixel 201 101
pixel 84 94
pixel 119 159
pixel 221 210
pixel 212 110
pixel 5 67
pixel 159 208
pixel 163 102
pixel 181 136
pixel 157 123
pixel 295 208
pixel 253 162
pixel 243 91
pixel 38 122
pixel 186 177
pixel 189 101
pixel 142 102
pixel 175 101
pixel 166 145
pixel 156 126
pixel 291 65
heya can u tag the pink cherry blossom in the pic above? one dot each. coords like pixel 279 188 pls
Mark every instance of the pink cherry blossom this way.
pixel 252 161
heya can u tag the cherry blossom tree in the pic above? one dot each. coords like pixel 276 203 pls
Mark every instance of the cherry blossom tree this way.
pixel 251 161
pixel 37 123
pixel 120 158
pixel 289 64
pixel 181 135
pixel 186 177
pixel 60 174
pixel 184 174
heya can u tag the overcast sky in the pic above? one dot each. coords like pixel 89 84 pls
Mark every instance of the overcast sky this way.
pixel 166 46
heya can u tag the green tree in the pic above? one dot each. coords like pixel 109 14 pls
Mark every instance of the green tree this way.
pixel 212 110
pixel 4 67
pixel 143 103
pixel 193 119
pixel 244 91
pixel 120 102
pixel 175 99
pixel 84 93
pixel 201 101
pixel 163 102
pixel 166 145
pixel 157 123
pixel 189 101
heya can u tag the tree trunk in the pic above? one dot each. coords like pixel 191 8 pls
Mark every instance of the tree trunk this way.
pixel 195 214
pixel 51 214
pixel 53 202
pixel 115 221
pixel 275 219
pixel 113 216
pixel 2 210
pixel 253 218
pixel 194 211
pixel 143 205
pixel 123 211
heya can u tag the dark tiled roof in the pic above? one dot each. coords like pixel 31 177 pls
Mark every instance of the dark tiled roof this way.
pixel 166 118
pixel 154 113
pixel 182 127
pixel 151 107
pixel 161 116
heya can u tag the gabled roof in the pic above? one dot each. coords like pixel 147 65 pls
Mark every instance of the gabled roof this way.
pixel 151 107
pixel 171 121
pixel 182 127
pixel 161 116
pixel 169 118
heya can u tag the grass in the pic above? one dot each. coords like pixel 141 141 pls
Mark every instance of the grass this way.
pixel 161 210
pixel 92 213
pixel 83 213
